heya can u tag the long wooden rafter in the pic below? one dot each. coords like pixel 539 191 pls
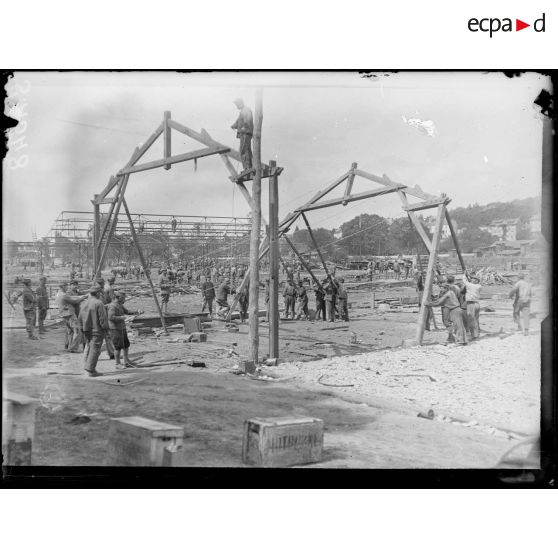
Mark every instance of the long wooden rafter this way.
pixel 388 186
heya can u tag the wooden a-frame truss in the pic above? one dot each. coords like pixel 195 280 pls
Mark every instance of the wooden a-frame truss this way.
pixel 387 186
pixel 114 192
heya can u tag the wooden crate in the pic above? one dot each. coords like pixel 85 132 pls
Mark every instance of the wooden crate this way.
pixel 18 428
pixel 282 441
pixel 140 442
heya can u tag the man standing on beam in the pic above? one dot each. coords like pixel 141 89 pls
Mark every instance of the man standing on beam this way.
pixel 244 127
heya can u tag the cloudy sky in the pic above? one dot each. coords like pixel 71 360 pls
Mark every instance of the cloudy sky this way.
pixel 80 128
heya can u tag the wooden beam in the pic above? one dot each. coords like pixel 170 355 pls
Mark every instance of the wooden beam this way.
pixel 350 181
pixel 105 201
pixel 386 181
pixel 113 181
pixel 426 205
pixel 416 222
pixel 317 248
pixel 273 234
pixel 174 159
pixel 423 312
pixel 455 241
pixel 229 166
pixel 301 258
pixel 321 193
pixel 253 319
pixel 109 217
pixel 354 197
pixel 167 137
pixel 144 264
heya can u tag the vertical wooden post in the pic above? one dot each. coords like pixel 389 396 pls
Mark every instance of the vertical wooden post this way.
pixel 255 233
pixel 273 233
pixel 96 233
pixel 167 137
pixel 144 264
pixel 423 312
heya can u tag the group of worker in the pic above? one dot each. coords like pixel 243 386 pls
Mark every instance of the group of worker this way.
pixel 330 295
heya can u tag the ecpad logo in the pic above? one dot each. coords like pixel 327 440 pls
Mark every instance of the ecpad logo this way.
pixel 494 24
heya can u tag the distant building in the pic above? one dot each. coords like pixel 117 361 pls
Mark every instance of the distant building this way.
pixel 503 229
pixel 430 222
pixel 534 224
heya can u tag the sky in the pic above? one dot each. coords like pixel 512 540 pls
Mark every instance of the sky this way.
pixel 77 129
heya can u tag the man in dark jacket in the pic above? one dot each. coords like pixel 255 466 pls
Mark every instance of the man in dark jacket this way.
pixel 29 309
pixel 208 295
pixel 289 297
pixel 117 327
pixel 42 303
pixel 223 292
pixel 330 287
pixel 244 301
pixel 244 127
pixel 94 324
pixel 302 301
pixel 320 302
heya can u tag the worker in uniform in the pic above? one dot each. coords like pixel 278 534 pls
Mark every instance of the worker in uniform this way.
pixel 472 296
pixel 29 309
pixel 301 301
pixel 105 297
pixel 117 327
pixel 67 309
pixel 456 328
pixel 95 326
pixel 42 303
pixel 223 292
pixel 521 293
pixel 244 127
pixel 244 301
pixel 330 288
pixel 320 302
pixel 208 295
pixel 342 303
pixel 289 295
pixel 165 289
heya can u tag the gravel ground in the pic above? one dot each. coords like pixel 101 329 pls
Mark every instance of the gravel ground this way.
pixel 494 382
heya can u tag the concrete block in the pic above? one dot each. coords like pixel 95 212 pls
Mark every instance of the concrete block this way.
pixel 199 337
pixel 191 325
pixel 282 441
pixel 173 456
pixel 247 366
pixel 18 428
pixel 140 442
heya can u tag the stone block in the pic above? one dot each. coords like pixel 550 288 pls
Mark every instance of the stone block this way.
pixel 282 441
pixel 140 442
pixel 18 428
pixel 191 325
pixel 199 337
pixel 247 366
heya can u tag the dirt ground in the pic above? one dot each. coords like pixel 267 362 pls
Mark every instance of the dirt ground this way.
pixel 484 396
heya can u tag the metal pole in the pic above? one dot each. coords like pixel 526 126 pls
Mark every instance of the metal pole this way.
pixel 273 233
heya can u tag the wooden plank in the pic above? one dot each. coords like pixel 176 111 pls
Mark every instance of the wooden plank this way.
pixel 273 263
pixel 113 181
pixel 321 193
pixel 109 217
pixel 424 309
pixel 426 205
pixel 253 320
pixel 174 159
pixel 416 222
pixel 353 198
pixel 350 181
pixel 229 166
pixel 167 137
pixel 317 248
pixel 455 241
pixel 105 201
pixel 386 181
pixel 301 258
pixel 144 263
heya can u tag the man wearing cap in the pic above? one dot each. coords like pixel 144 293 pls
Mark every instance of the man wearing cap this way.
pixel 66 305
pixel 42 303
pixel 208 294
pixel 223 292
pixel 521 293
pixel 104 298
pixel 117 327
pixel 472 297
pixel 94 324
pixel 454 323
pixel 108 294
pixel 165 288
pixel 302 301
pixel 289 297
pixel 29 309
pixel 342 303
pixel 244 127
pixel 320 302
